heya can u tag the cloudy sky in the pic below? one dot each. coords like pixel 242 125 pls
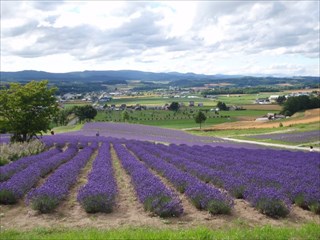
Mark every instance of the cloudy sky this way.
pixel 213 37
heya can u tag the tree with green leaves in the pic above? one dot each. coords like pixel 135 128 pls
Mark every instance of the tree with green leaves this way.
pixel 200 117
pixel 27 110
pixel 281 99
pixel 299 103
pixel 174 106
pixel 125 116
pixel 222 106
pixel 61 118
pixel 86 112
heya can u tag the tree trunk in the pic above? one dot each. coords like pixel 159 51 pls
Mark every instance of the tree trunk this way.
pixel 24 137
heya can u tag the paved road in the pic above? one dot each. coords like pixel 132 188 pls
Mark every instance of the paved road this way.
pixel 272 144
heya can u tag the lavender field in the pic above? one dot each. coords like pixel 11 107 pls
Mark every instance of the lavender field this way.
pixel 301 137
pixel 4 138
pixel 150 133
pixel 165 179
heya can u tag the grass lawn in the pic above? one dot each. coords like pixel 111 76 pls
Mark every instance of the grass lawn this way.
pixel 306 231
pixel 63 129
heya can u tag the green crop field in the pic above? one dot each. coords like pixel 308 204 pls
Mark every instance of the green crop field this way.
pixel 160 101
pixel 184 118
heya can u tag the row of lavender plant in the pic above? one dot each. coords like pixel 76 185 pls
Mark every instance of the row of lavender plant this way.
pixel 99 194
pixel 298 137
pixel 267 199
pixel 56 188
pixel 10 169
pixel 152 193
pixel 202 195
pixel 269 179
pixel 20 183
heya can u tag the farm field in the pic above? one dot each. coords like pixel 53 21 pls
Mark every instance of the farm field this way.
pixel 301 125
pixel 300 137
pixel 182 119
pixel 150 133
pixel 310 116
pixel 208 186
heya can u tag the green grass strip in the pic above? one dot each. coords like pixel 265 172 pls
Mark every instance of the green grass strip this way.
pixel 307 231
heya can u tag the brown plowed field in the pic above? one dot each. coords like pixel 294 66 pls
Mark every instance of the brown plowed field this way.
pixel 271 107
pixel 310 116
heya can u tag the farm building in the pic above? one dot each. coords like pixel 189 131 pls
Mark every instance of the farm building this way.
pixel 262 101
pixel 273 98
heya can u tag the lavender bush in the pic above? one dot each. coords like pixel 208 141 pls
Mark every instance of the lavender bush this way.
pixel 98 195
pixel 270 201
pixel 150 133
pixel 201 195
pixel 15 188
pixel 8 170
pixel 47 197
pixel 300 137
pixel 248 172
pixel 154 195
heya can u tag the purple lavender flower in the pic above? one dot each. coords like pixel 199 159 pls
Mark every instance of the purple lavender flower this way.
pixel 23 181
pixel 154 195
pixel 202 195
pixel 98 195
pixel 8 170
pixel 47 197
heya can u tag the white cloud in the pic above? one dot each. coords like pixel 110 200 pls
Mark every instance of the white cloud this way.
pixel 203 37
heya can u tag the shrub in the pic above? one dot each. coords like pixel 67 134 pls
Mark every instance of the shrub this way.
pixel 314 207
pixel 97 203
pixel 3 161
pixel 300 201
pixel 272 207
pixel 162 206
pixel 7 197
pixel 44 204
pixel 238 191
pixel 218 207
pixel 13 151
pixel 269 201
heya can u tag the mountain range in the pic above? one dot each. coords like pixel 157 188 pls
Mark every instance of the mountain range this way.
pixel 120 75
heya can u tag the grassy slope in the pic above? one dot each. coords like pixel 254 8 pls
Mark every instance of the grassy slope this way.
pixel 307 231
pixel 63 129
